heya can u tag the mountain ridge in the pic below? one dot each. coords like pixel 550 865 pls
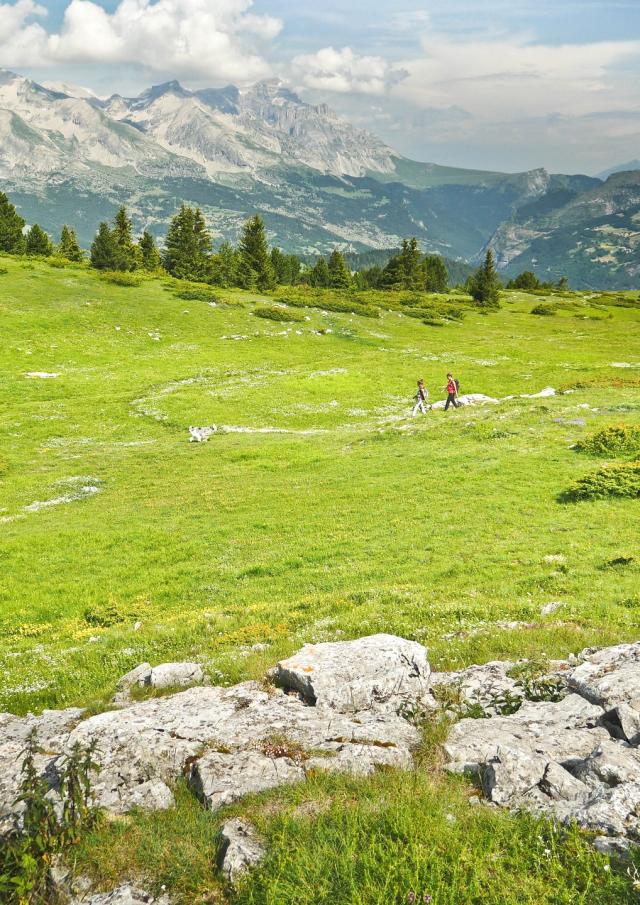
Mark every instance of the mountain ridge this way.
pixel 319 181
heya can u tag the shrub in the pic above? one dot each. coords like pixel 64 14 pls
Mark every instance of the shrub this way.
pixel 616 440
pixel 121 278
pixel 611 481
pixel 25 859
pixel 104 616
pixel 3 271
pixel 275 313
pixel 544 310
pixel 197 295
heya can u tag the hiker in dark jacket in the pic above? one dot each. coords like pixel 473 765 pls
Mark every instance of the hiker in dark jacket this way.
pixel 452 392
pixel 421 398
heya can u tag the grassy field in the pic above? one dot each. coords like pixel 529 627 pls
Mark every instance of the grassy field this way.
pixel 323 511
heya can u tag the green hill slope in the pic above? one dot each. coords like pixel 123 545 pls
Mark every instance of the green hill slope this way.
pixel 319 510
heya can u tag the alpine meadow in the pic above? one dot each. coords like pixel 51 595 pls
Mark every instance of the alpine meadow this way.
pixel 319 461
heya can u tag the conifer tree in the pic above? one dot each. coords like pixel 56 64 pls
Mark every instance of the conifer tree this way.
pixel 187 245
pixel 436 276
pixel 224 266
pixel 105 254
pixel 68 246
pixel 149 254
pixel 485 285
pixel 38 242
pixel 123 237
pixel 255 269
pixel 405 270
pixel 11 226
pixel 319 276
pixel 339 274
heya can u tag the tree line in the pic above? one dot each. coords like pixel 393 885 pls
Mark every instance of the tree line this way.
pixel 188 254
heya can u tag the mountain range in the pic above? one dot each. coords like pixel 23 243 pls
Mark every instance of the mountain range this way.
pixel 69 156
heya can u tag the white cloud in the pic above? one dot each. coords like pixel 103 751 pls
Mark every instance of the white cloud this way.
pixel 345 72
pixel 512 76
pixel 217 39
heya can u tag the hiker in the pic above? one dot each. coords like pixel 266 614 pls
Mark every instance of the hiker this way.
pixel 421 398
pixel 452 388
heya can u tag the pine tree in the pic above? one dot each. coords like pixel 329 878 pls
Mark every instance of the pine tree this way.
pixel 405 270
pixel 149 254
pixel 38 242
pixel 11 226
pixel 339 274
pixel 187 246
pixel 224 266
pixel 485 285
pixel 202 237
pixel 105 254
pixel 436 276
pixel 68 246
pixel 123 237
pixel 527 280
pixel 319 276
pixel 255 269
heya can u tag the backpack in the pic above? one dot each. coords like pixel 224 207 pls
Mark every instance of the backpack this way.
pixel 457 383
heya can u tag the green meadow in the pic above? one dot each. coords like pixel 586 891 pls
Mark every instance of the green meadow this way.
pixel 319 510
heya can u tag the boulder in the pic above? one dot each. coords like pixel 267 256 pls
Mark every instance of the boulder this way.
pixel 219 778
pixel 233 741
pixel 378 673
pixel 512 773
pixel 610 676
pixel 241 849
pixel 176 675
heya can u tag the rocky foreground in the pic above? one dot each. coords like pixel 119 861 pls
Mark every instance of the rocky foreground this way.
pixel 353 706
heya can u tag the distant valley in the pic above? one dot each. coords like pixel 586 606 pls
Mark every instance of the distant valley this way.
pixel 68 156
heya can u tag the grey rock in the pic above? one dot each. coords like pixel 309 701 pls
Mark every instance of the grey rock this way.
pixel 610 676
pixel 219 778
pixel 549 608
pixel 241 849
pixel 616 847
pixel 512 773
pixel 565 732
pixel 612 763
pixel 629 719
pixel 560 785
pixel 381 672
pixel 176 675
pixel 611 811
pixel 139 676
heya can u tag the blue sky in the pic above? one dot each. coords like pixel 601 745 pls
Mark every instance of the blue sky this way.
pixel 481 83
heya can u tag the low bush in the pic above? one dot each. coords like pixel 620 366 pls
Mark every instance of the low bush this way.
pixel 617 440
pixel 198 295
pixel 276 313
pixel 544 310
pixel 611 481
pixel 121 278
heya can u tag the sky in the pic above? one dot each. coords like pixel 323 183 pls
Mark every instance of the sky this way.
pixel 505 85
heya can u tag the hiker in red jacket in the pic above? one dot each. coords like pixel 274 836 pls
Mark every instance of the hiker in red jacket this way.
pixel 452 392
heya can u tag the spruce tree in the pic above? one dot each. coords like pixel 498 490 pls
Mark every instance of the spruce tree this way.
pixel 319 276
pixel 123 237
pixel 435 272
pixel 38 242
pixel 255 269
pixel 405 270
pixel 149 254
pixel 339 274
pixel 485 285
pixel 11 226
pixel 187 246
pixel 68 246
pixel 105 254
pixel 224 266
